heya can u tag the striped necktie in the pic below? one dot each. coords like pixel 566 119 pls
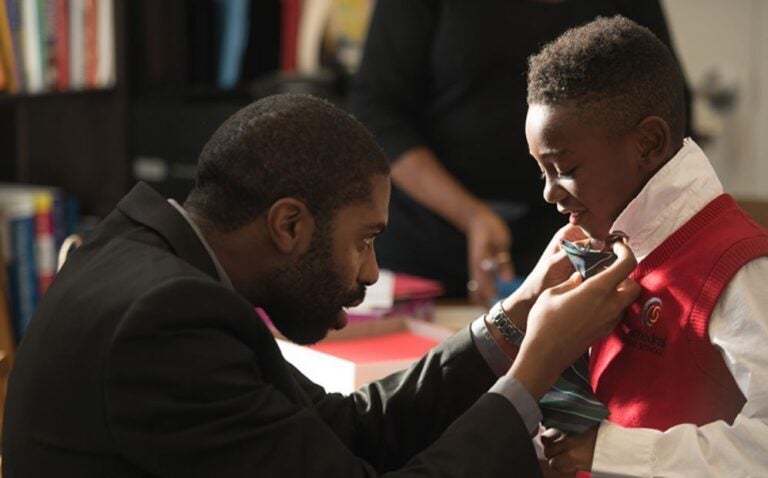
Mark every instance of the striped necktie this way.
pixel 570 405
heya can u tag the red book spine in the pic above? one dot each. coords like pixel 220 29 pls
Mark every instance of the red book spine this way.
pixel 289 34
pixel 45 245
pixel 62 44
pixel 91 48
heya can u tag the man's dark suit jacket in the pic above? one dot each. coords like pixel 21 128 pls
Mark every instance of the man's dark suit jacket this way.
pixel 139 363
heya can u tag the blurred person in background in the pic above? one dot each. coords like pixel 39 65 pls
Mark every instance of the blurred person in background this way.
pixel 442 86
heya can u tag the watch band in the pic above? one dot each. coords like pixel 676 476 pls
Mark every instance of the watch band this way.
pixel 509 330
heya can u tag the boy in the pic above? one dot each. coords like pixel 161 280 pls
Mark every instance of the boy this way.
pixel 685 374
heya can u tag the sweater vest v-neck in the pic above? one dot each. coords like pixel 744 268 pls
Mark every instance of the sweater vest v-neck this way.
pixel 658 368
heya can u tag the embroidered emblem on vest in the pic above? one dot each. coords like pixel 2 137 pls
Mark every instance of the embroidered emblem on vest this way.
pixel 651 311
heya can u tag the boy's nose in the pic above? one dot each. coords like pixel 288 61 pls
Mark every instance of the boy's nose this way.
pixel 553 193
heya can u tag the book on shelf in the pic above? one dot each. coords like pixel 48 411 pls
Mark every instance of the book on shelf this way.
pixel 309 45
pixel 89 42
pixel 61 44
pixel 347 30
pixel 289 34
pixel 106 68
pixel 76 44
pixel 232 24
pixel 48 41
pixel 14 53
pixel 34 220
pixel 18 230
pixel 7 80
pixel 31 46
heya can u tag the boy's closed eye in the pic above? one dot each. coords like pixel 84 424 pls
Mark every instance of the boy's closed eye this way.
pixel 565 174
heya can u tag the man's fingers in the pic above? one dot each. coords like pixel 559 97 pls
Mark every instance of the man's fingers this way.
pixel 613 275
pixel 559 256
pixel 569 284
pixel 571 233
pixel 628 290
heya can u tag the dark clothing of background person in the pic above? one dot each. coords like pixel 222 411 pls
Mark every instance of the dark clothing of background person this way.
pixel 451 75
pixel 140 362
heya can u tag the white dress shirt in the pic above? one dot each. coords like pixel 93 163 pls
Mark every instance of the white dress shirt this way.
pixel 738 328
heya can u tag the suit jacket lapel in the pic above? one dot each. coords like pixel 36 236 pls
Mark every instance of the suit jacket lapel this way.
pixel 145 206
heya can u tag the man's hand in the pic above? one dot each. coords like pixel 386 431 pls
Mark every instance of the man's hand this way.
pixel 567 454
pixel 553 268
pixel 488 239
pixel 568 318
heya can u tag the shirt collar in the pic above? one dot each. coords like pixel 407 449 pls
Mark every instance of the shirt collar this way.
pixel 223 276
pixel 679 190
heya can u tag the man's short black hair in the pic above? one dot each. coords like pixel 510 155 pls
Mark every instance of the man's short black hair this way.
pixel 285 145
pixel 616 69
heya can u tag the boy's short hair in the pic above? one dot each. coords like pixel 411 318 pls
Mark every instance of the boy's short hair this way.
pixel 286 145
pixel 616 69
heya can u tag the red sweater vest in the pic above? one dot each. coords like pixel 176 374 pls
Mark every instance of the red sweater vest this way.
pixel 658 367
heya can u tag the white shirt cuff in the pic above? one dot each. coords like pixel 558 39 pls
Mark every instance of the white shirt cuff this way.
pixel 521 399
pixel 497 360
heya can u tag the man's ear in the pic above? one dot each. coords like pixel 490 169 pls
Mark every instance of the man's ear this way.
pixel 654 142
pixel 290 225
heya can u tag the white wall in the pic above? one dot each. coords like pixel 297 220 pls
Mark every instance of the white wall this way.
pixel 731 37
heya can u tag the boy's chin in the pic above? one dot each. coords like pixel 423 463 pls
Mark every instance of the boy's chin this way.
pixel 596 236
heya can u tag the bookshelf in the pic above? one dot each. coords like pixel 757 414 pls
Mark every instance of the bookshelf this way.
pixel 168 79
pixel 72 139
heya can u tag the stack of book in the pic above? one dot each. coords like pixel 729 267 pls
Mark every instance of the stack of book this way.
pixel 398 295
pixel 56 45
pixel 34 221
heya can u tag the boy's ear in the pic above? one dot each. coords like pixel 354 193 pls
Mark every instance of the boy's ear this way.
pixel 653 142
pixel 290 225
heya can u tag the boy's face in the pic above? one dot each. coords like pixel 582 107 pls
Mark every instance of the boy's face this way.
pixel 590 173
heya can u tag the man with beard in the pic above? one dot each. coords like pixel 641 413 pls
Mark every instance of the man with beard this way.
pixel 146 357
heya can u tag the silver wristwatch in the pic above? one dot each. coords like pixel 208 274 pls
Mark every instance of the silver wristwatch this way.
pixel 511 332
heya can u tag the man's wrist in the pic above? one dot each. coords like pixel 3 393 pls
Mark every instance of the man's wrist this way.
pixel 532 373
pixel 512 332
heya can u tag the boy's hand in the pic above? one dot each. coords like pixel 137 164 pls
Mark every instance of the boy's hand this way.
pixel 549 472
pixel 566 453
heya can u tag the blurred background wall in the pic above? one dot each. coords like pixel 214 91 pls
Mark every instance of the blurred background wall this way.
pixel 723 46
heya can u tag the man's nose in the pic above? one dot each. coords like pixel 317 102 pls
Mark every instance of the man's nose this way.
pixel 369 272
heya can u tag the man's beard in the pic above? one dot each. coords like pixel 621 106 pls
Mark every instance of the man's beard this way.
pixel 304 300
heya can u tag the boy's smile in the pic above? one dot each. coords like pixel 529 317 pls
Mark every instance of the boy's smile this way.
pixel 590 172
